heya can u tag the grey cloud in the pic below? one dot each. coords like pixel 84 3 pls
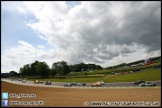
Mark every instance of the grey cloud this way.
pixel 96 26
pixel 143 26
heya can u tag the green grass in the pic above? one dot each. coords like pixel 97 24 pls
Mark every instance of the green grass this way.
pixel 105 75
pixel 150 75
pixel 108 71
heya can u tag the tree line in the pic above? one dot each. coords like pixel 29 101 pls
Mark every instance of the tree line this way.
pixel 61 68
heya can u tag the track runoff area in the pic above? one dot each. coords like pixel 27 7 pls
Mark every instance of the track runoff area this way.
pixel 87 94
pixel 88 85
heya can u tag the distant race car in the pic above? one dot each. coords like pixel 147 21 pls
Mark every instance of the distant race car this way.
pixel 102 83
pixel 37 81
pixel 73 83
pixel 96 84
pixel 48 83
pixel 19 79
pixel 68 85
pixel 24 81
pixel 139 82
pixel 81 84
pixel 40 81
pixel 147 84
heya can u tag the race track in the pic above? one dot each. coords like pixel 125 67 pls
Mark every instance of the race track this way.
pixel 88 85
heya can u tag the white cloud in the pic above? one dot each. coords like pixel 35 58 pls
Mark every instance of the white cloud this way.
pixel 21 10
pixel 105 33
pixel 14 6
pixel 25 53
pixel 13 58
pixel 41 46
pixel 42 37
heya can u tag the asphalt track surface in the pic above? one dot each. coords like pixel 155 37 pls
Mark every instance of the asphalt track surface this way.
pixel 88 85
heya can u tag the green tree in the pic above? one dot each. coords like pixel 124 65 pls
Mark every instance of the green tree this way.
pixel 25 70
pixel 61 68
pixel 66 69
pixel 28 70
pixel 43 69
pixel 53 72
pixel 13 73
pixel 21 71
pixel 33 68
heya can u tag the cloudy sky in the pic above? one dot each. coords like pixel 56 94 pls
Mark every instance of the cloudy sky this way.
pixel 105 33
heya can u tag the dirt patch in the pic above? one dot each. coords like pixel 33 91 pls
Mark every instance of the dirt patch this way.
pixel 68 97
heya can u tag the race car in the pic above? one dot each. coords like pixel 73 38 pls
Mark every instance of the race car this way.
pixel 73 83
pixel 37 81
pixel 147 84
pixel 19 80
pixel 96 84
pixel 81 84
pixel 40 81
pixel 48 83
pixel 68 85
pixel 24 81
pixel 102 83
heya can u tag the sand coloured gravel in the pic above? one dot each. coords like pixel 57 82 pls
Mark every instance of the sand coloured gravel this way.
pixel 68 97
